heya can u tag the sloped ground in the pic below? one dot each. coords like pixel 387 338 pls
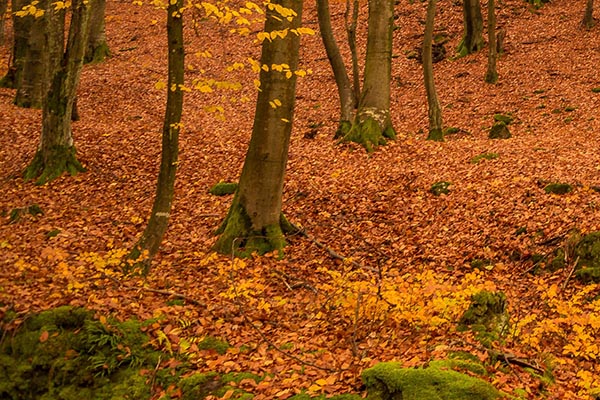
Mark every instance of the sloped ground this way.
pixel 333 318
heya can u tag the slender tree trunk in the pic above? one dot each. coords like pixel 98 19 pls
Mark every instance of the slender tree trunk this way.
pixel 351 25
pixel 435 111
pixel 56 153
pixel 97 49
pixel 373 124
pixel 21 29
pixel 255 222
pixel 588 17
pixel 491 75
pixel 472 40
pixel 147 246
pixel 3 8
pixel 345 91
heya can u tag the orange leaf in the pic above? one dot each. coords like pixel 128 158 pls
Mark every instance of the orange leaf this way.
pixel 44 336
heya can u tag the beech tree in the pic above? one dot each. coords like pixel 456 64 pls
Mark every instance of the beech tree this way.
pixel 435 111
pixel 491 75
pixel 56 152
pixel 588 16
pixel 472 40
pixel 148 244
pixel 372 124
pixel 255 222
pixel 97 49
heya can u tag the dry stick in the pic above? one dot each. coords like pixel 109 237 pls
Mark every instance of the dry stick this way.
pixel 564 285
pixel 260 333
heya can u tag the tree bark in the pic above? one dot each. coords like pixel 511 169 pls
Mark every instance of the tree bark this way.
pixel 588 17
pixel 21 29
pixel 351 25
pixel 472 40
pixel 147 246
pixel 491 75
pixel 345 90
pixel 372 124
pixel 3 8
pixel 254 222
pixel 56 153
pixel 436 132
pixel 97 49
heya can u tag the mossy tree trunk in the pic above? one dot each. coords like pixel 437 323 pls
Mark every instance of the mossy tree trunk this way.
pixel 491 75
pixel 372 124
pixel 97 49
pixel 588 16
pixel 435 111
pixel 147 246
pixel 56 153
pixel 345 89
pixel 254 222
pixel 472 40
pixel 21 29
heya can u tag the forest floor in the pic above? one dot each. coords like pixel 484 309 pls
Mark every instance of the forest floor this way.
pixel 314 322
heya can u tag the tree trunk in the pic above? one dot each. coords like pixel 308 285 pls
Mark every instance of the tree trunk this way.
pixel 435 111
pixel 97 49
pixel 3 7
pixel 147 246
pixel 491 75
pixel 254 222
pixel 588 17
pixel 21 29
pixel 56 153
pixel 345 91
pixel 351 25
pixel 373 124
pixel 472 40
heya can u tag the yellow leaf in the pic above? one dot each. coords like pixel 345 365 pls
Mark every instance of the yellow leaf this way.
pixel 288 74
pixel 277 102
pixel 160 85
pixel 38 13
pixel 285 120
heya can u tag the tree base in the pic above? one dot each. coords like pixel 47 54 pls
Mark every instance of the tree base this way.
pixel 97 54
pixel 59 160
pixel 437 135
pixel 8 81
pixel 239 239
pixel 491 77
pixel 368 134
pixel 465 48
pixel 343 129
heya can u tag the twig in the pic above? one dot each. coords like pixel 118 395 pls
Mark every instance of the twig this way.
pixel 512 359
pixel 564 285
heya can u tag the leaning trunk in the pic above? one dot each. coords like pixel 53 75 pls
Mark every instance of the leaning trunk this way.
pixel 472 40
pixel 254 222
pixel 345 92
pixel 491 75
pixel 56 153
pixel 435 111
pixel 147 247
pixel 97 49
pixel 373 124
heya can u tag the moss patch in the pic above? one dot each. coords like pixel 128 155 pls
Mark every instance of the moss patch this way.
pixel 558 188
pixel 486 316
pixel 368 134
pixel 587 252
pixel 389 381
pixel 211 343
pixel 439 188
pixel 47 167
pixel 484 156
pixel 223 188
pixel 499 131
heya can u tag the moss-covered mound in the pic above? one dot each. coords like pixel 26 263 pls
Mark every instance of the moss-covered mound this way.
pixel 223 188
pixel 389 381
pixel 587 252
pixel 65 354
pixel 486 316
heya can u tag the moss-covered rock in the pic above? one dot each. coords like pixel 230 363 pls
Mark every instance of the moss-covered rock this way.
pixel 486 316
pixel 367 133
pixel 587 252
pixel 439 188
pixel 389 381
pixel 506 118
pixel 499 131
pixel 223 188
pixel 558 188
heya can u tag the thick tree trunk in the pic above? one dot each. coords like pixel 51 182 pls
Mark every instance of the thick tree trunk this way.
pixel 56 153
pixel 254 222
pixel 472 40
pixel 3 8
pixel 21 29
pixel 97 49
pixel 345 91
pixel 588 17
pixel 435 111
pixel 147 246
pixel 491 75
pixel 373 124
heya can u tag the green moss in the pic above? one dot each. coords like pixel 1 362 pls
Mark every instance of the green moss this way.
pixel 389 381
pixel 480 263
pixel 558 188
pixel 436 135
pixel 451 130
pixel 484 156
pixel 347 396
pixel 596 90
pixel 486 316
pixel 587 252
pixel 499 131
pixel 506 118
pixel 211 343
pixel 463 365
pixel 439 188
pixel 200 385
pixel 368 134
pixel 97 54
pixel 343 129
pixel 48 167
pixel 223 188
pixel 557 262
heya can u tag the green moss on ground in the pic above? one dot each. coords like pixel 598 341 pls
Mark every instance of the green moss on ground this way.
pixel 499 131
pixel 368 134
pixel 211 343
pixel 506 118
pixel 484 156
pixel 558 188
pixel 486 316
pixel 59 160
pixel 587 252
pixel 439 188
pixel 389 381
pixel 223 188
